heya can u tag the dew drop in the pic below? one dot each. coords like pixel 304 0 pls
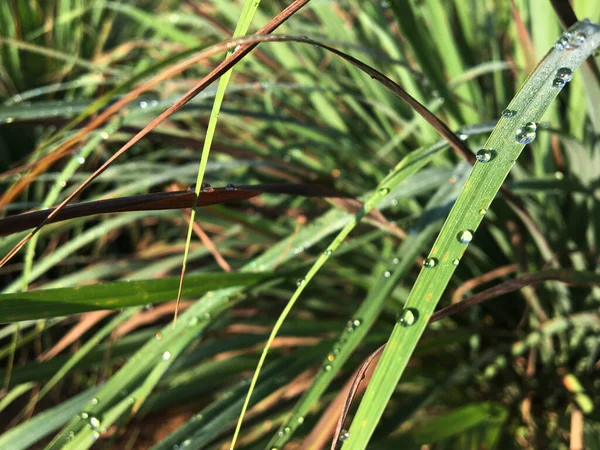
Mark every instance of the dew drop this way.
pixel 395 202
pixel 384 191
pixel 94 423
pixel 395 261
pixel 344 436
pixel 387 274
pixel 328 252
pixel 300 420
pixel 207 188
pixel 557 83
pixel 300 282
pixel 95 436
pixel 104 135
pixel 80 159
pixel 455 262
pixel 430 263
pixel 230 187
pixel 143 104
pixel 166 355
pixel 577 39
pixel 482 211
pixel 407 317
pixel 484 155
pixel 565 74
pixel 83 415
pixel 509 113
pixel 465 236
pixel 94 401
pixel 356 323
pixel 526 134
pixel 193 322
pixel 327 367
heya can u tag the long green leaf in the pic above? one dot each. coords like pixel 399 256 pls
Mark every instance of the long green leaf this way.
pixel 60 302
pixel 516 128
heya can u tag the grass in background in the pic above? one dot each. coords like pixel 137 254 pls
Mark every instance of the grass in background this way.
pixel 516 372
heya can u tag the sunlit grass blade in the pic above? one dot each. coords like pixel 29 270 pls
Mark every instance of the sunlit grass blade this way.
pixel 516 128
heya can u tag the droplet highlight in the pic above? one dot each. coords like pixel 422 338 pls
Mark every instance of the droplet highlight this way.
pixel 484 155
pixel 526 134
pixel 430 263
pixel 509 113
pixel 465 236
pixel 407 317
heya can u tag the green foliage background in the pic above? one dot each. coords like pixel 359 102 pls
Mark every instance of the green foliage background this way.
pixel 515 372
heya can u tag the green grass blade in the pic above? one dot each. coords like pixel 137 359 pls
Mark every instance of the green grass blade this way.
pixel 529 105
pixel 115 295
pixel 388 277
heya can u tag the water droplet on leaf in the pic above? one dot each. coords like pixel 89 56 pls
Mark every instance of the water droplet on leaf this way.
pixel 484 155
pixel 430 263
pixel 465 236
pixel 526 134
pixel 407 317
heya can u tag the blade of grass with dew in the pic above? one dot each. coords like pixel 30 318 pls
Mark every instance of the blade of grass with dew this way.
pixel 250 7
pixel 516 128
pixel 388 276
pixel 210 305
pixel 154 350
pixel 218 415
pixel 405 168
pixel 27 433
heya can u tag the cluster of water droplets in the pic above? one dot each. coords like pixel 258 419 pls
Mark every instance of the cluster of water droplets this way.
pixel 526 134
pixel 562 77
pixel 570 41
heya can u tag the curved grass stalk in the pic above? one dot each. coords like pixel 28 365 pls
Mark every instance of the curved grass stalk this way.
pixel 516 128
